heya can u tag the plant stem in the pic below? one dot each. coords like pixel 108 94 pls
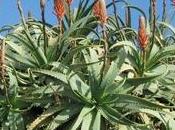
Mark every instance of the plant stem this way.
pixel 105 45
pixel 44 30
pixel 21 14
pixel 115 13
pixel 70 18
pixel 154 19
pixel 128 17
pixel 29 14
pixel 2 60
pixel 144 61
pixel 164 11
pixel 2 70
pixel 61 26
pixel 151 12
pixel 105 53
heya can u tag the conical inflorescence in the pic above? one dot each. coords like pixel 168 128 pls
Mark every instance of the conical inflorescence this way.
pixel 142 33
pixel 100 11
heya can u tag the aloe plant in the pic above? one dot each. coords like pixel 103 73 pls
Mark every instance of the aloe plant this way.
pixel 79 76
pixel 95 100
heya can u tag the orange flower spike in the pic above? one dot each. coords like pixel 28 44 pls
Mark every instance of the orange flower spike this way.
pixel 69 2
pixel 59 9
pixel 100 11
pixel 142 34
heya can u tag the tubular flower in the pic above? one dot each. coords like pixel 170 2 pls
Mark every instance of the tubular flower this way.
pixel 59 9
pixel 142 34
pixel 69 2
pixel 100 11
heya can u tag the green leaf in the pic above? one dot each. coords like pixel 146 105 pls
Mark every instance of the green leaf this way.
pixel 113 71
pixel 13 85
pixel 142 80
pixel 86 110
pixel 162 54
pixel 48 113
pixel 113 116
pixel 86 123
pixel 47 89
pixel 96 124
pixel 95 68
pixel 60 76
pixel 165 117
pixel 79 86
pixel 15 121
pixel 115 87
pixel 133 102
pixel 171 28
pixel 64 116
pixel 124 44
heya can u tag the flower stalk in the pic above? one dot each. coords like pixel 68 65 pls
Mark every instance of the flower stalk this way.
pixel 164 11
pixel 100 11
pixel 143 39
pixel 69 9
pixel 115 13
pixel 42 7
pixel 2 60
pixel 127 17
pixel 29 14
pixel 154 18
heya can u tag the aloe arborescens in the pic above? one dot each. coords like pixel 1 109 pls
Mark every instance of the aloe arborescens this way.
pixel 102 79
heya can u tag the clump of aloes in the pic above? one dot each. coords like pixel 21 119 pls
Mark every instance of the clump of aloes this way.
pixel 142 33
pixel 100 11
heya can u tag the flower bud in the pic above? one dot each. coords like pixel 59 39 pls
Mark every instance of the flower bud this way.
pixel 100 11
pixel 59 8
pixel 142 34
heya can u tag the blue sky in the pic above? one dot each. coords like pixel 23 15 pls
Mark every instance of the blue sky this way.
pixel 9 14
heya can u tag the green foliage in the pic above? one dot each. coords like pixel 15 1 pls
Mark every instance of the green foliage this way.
pixel 68 81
